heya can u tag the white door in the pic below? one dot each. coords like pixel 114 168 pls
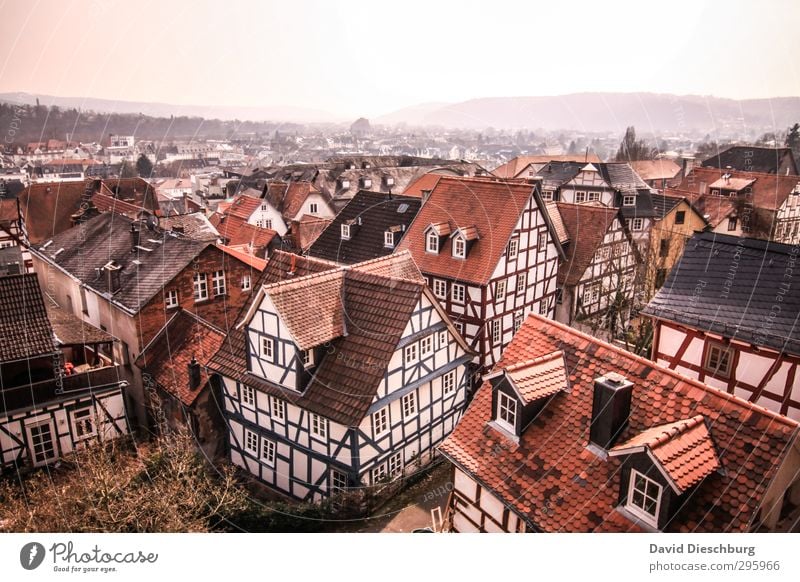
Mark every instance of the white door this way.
pixel 42 442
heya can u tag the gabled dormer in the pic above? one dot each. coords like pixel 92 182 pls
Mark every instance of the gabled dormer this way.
pixel 392 235
pixel 435 234
pixel 343 183
pixel 462 240
pixel 520 391
pixel 349 228
pixel 366 182
pixel 661 466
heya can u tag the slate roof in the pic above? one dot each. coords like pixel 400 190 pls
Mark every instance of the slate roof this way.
pixel 728 285
pixel 493 207
pixel 107 237
pixel 194 225
pixel 377 213
pixel 25 330
pixel 167 356
pixel 586 226
pixel 663 204
pixel 684 449
pixel 555 483
pixel 513 167
pixel 751 159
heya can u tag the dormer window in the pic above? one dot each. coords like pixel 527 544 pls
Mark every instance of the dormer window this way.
pixel 629 200
pixel 308 358
pixel 432 242
pixel 388 239
pixel 344 183
pixel 506 415
pixel 459 247
pixel 345 232
pixel 389 180
pixel 644 497
pixel 366 182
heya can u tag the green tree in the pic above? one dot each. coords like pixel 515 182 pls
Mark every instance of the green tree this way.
pixel 793 139
pixel 144 166
pixel 127 170
pixel 631 149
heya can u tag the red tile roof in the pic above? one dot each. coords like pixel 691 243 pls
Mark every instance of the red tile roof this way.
pixel 426 182
pixel 307 230
pixel 492 207
pixel 243 206
pixel 655 169
pixel 236 231
pixel 769 191
pixel 586 225
pixel 513 167
pixel 553 481
pixel 246 257
pixel 684 449
pixel 539 377
pixel 48 208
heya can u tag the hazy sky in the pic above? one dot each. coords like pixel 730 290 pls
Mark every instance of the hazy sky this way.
pixel 371 57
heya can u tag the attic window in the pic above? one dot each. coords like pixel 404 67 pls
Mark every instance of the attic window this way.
pixel 344 183
pixel 345 232
pixel 629 200
pixel 366 182
pixel 644 497
pixel 389 180
pixel 459 247
pixel 547 194
pixel 388 239
pixel 506 412
pixel 403 207
pixel 432 242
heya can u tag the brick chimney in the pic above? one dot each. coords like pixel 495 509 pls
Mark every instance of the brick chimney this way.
pixel 611 407
pixel 134 237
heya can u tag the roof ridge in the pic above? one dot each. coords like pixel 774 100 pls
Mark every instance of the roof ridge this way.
pixel 321 275
pixel 691 381
pixel 533 361
pixel 673 429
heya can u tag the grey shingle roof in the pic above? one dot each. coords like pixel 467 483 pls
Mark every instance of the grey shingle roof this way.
pixel 25 330
pixel 729 285
pixel 749 159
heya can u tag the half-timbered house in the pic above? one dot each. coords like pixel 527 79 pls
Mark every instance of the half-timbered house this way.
pixel 490 254
pixel 343 377
pixel 572 434
pixel 727 315
pixel 59 389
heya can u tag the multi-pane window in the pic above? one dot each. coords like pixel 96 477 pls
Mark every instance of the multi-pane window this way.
pixel 409 403
pixel 379 473
pixel 442 339
pixel 388 239
pixel 522 282
pixel 718 359
pixel 500 290
pixel 266 348
pixel 396 464
pixel 593 196
pixel 410 354
pixel 268 452
pixel 319 426
pixel 644 496
pixel 680 217
pixel 278 408
pixel 459 247
pixel 638 224
pixel 518 319
pixel 313 208
pixel 543 307
pixel 542 241
pixel 459 327
pixel 339 481
pixel 250 441
pixel 449 382
pixel 591 293
pixel 218 282
pixel 629 200
pixel 580 197
pixel 307 356
pixel 432 242
pixel 346 231
pixel 83 423
pixel 731 224
pixel 458 293
pixel 246 283
pixel 513 248
pixel 426 346
pixel 172 298
pixel 547 194
pixel 440 288
pixel 507 411
pixel 380 421
pixel 200 287
pixel 248 395
pixel 494 329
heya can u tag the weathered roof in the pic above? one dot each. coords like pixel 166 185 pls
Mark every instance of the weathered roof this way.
pixel 555 483
pixel 48 208
pixel 728 285
pixel 237 231
pixel 540 377
pixel 194 225
pixel 751 159
pixel 513 167
pixel 70 330
pixel 662 169
pixel 25 330
pixel 586 226
pixel 376 213
pixel 425 183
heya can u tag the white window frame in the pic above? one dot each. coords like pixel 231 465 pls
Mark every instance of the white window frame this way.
pixel 580 197
pixel 171 301
pixel 268 452
pixel 506 414
pixel 724 353
pixel 218 285
pixel 543 307
pixel 513 249
pixel 380 422
pixel 495 331
pixel 388 239
pixel 500 290
pixel 411 353
pixel 522 282
pixel 278 408
pixel 639 510
pixel 432 242
pixel 426 346
pixel 518 319
pixel 459 293
pixel 449 382
pixel 313 207
pixel 442 339
pixel 248 395
pixel 629 200
pixel 592 291
pixel 268 348
pixel 593 196
pixel 250 441
pixel 379 474
pixel 246 282
pixel 318 426
pixel 307 357
pixel 547 195
pixel 459 327
pixel 200 286
pixel 409 405
pixel 732 222
pixel 81 418
pixel 459 247
pixel 339 481
pixel 395 465
pixel 440 288
pixel 638 224
pixel 542 242
pixel 345 229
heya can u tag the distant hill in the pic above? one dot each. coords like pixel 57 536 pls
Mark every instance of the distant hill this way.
pixel 605 112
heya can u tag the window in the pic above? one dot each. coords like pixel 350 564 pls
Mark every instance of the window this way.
pixel 345 232
pixel 278 409
pixel 319 426
pixel 264 207
pixel 246 283
pixel 264 223
pixel 513 249
pixel 432 242
pixel 458 293
pixel 313 208
pixel 518 319
pixel 494 329
pixel 629 200
pixel 442 339
pixel 410 354
pixel 379 473
pixel 308 358
pixel 266 347
pixel 638 223
pixel 409 402
pixel 507 411
pixel 440 288
pixel 380 421
pixel 449 382
pixel 83 424
pixel 339 481
pixel 200 287
pixel 268 452
pixel 680 217
pixel 580 197
pixel 731 224
pixel 218 283
pixel 522 282
pixel 388 239
pixel 367 182
pixel 663 248
pixel 500 290
pixel 644 497
pixel 543 307
pixel 459 247
pixel 593 196
pixel 459 327
pixel 248 395
pixel 715 192
pixel 601 254
pixel 172 298
pixel 718 359
pixel 542 241
pixel 250 441
pixel 547 194
pixel 426 346
pixel 396 464
pixel 591 293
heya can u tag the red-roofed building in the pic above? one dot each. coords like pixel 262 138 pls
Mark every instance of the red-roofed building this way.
pixel 611 442
pixel 490 254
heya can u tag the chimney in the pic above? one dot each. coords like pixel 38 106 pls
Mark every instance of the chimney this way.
pixel 112 276
pixel 194 374
pixel 134 237
pixel 687 164
pixel 611 407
